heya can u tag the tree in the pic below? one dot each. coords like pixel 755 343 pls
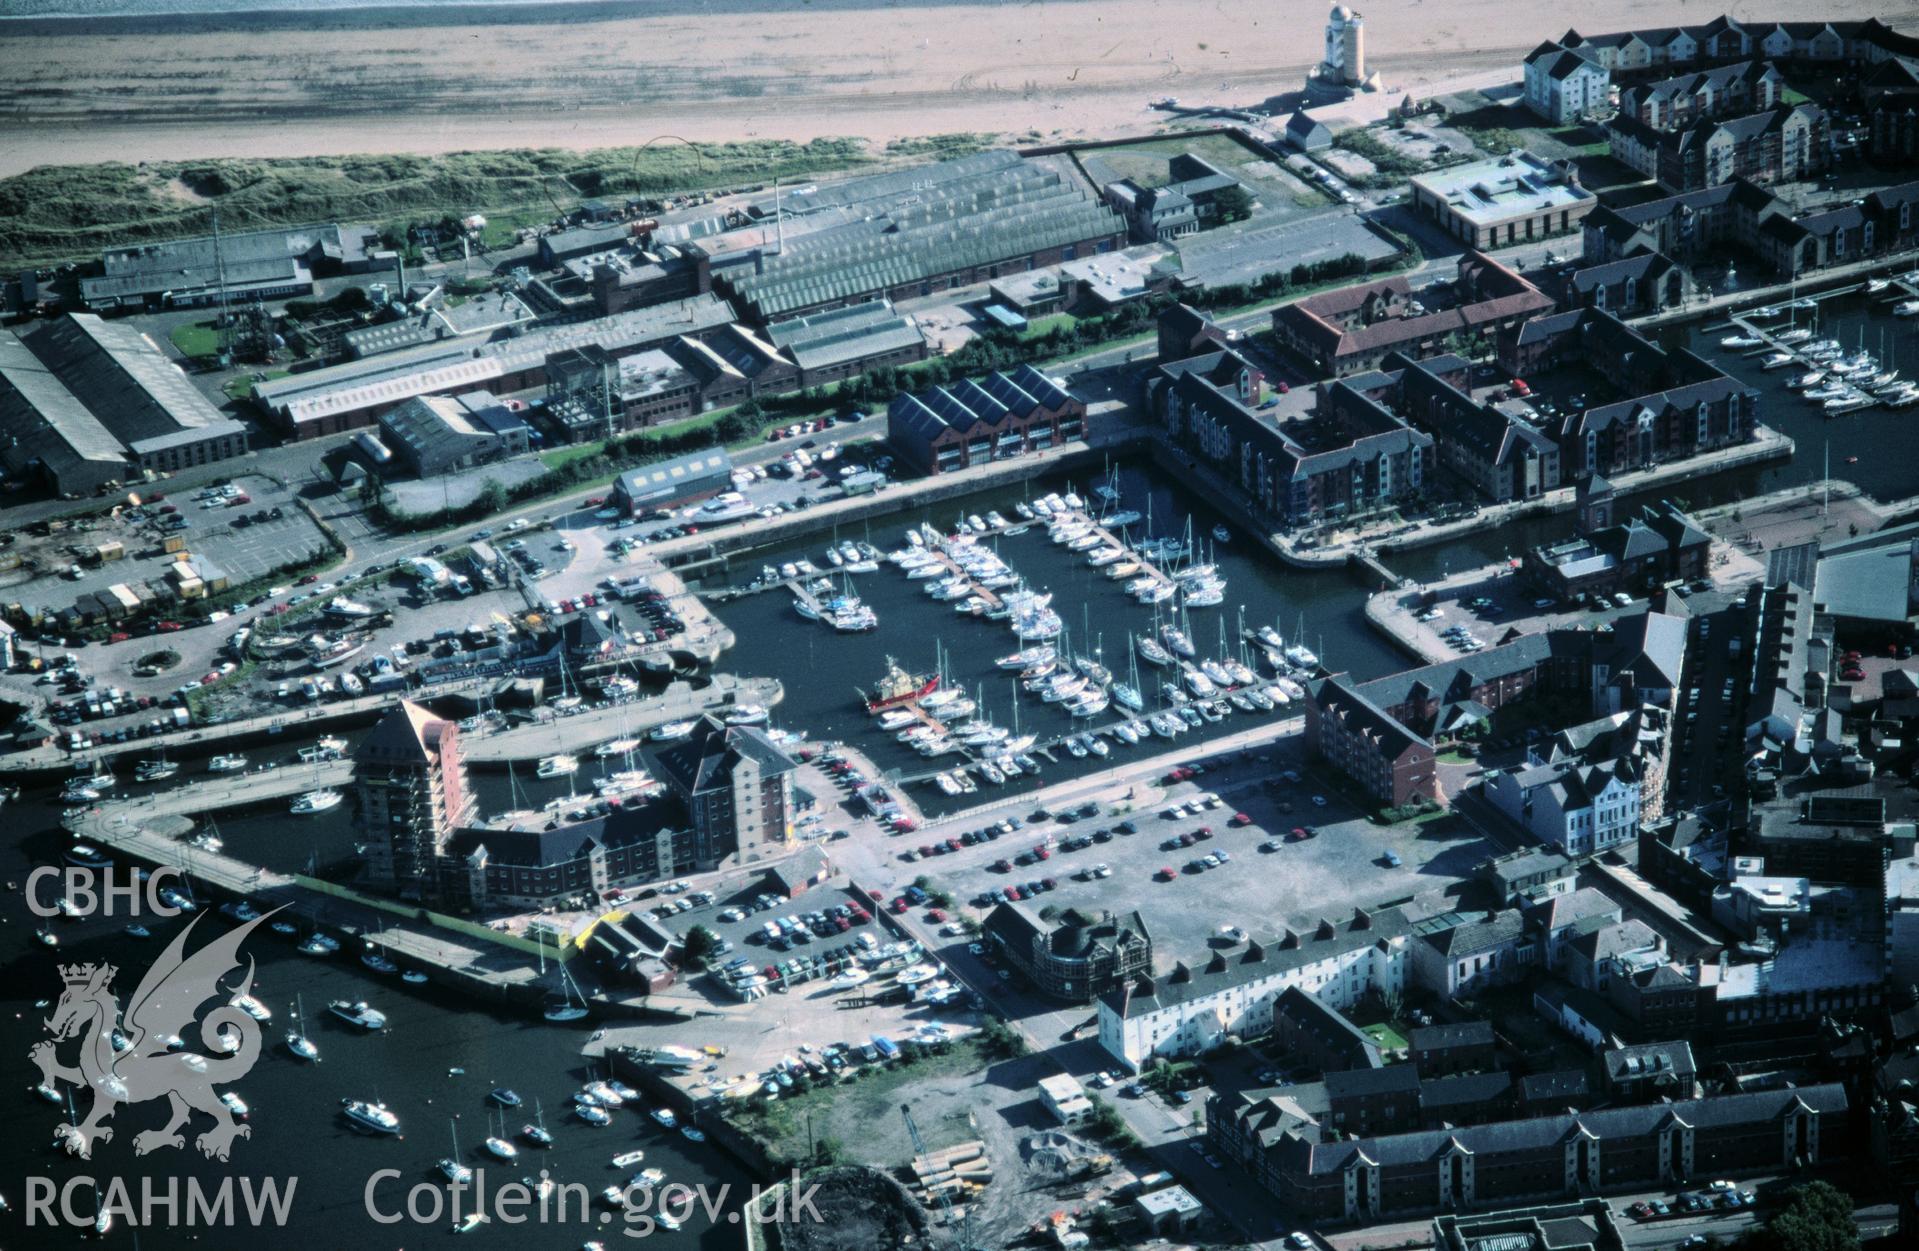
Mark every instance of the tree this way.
pixel 1816 1217
pixel 1001 1040
pixel 1234 203
pixel 699 941
pixel 493 497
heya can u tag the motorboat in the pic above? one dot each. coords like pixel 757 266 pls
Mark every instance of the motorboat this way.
pixel 557 767
pixel 747 714
pixel 226 764
pixel 592 1113
pixel 378 962
pixel 671 731
pixel 371 1118
pixel 155 770
pixel 361 1014
pixel 316 801
pixel 1177 642
pixel 616 747
pixel 1741 341
pixel 252 1007
pixel 665 1117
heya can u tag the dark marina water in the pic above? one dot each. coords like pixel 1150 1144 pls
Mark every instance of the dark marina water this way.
pixel 822 670
pixel 297 1131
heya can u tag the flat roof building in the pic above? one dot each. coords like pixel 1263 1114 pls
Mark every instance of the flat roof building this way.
pixel 1507 200
pixel 1065 1098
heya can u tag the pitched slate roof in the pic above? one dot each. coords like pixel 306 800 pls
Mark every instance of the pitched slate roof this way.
pixel 1545 1134
pixel 1452 1034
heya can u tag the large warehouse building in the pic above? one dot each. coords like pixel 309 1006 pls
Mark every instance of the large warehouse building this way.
pixel 908 234
pixel 85 403
pixel 259 264
pixel 342 397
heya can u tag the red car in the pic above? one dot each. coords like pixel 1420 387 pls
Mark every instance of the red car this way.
pixel 118 638
pixel 1853 674
pixel 1039 849
pixel 310 579
pixel 875 896
pixel 209 677
pixel 594 501
pixel 1239 819
pixel 936 916
pixel 1165 874
pixel 898 905
pixel 1015 894
pixel 168 627
pixel 1296 835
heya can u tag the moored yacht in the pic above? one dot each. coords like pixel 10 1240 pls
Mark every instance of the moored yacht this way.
pixel 361 1013
pixel 316 801
pixel 370 1118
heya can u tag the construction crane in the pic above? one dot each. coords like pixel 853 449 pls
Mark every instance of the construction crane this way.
pixel 946 1204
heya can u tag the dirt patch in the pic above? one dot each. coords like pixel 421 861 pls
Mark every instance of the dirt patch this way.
pixel 178 190
pixel 859 1208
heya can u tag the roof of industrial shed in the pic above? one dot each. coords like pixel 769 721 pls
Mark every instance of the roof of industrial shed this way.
pixel 397 376
pixel 663 479
pixel 916 223
pixel 36 406
pixel 832 337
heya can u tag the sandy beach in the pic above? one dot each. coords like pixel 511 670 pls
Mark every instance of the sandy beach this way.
pixel 396 80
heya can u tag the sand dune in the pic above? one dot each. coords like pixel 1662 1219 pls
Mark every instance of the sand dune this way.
pixel 372 82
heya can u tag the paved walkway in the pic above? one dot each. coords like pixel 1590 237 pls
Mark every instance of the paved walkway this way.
pixel 553 732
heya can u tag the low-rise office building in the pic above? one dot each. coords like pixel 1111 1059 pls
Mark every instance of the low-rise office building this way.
pixel 1516 198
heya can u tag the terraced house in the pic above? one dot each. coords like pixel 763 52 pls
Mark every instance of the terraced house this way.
pixel 1317 1174
pixel 1676 404
pixel 1723 91
pixel 1775 145
pixel 1368 744
pixel 1499 453
pixel 1192 1010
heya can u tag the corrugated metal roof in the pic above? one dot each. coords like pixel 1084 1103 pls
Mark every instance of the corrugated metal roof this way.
pixel 31 398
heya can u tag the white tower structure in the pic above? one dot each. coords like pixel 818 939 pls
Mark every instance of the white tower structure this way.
pixel 1345 61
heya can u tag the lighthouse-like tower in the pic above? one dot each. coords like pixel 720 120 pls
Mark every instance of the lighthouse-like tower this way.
pixel 1344 68
pixel 1345 61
